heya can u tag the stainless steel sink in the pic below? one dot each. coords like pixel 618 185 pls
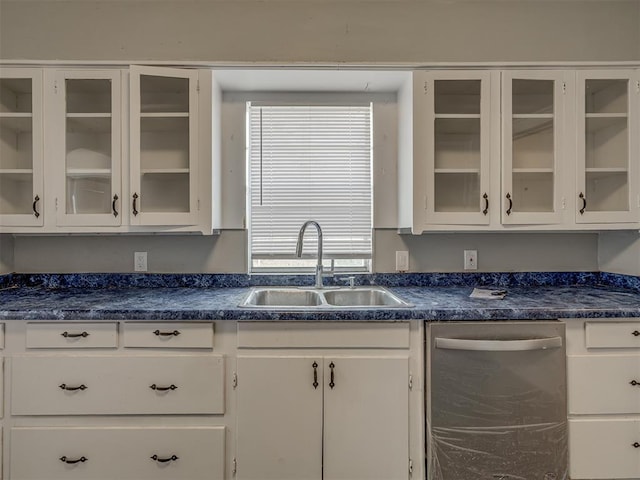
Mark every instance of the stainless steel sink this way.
pixel 326 298
pixel 282 297
pixel 366 296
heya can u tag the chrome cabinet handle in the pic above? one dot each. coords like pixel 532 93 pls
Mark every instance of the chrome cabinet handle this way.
pixel 486 204
pixel 498 345
pixel 77 460
pixel 508 197
pixel 64 386
pixel 75 335
pixel 158 333
pixel 315 375
pixel 163 389
pixel 172 458
pixel 113 205
pixel 135 201
pixel 35 204
pixel 331 382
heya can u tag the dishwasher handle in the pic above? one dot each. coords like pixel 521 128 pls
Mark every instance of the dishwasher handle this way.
pixel 498 345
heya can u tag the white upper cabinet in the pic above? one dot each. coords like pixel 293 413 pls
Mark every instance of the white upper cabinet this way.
pixel 453 109
pixel 607 129
pixel 534 159
pixel 21 148
pixel 164 146
pixel 88 147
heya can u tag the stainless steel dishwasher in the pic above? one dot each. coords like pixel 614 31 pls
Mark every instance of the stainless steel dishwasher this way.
pixel 496 401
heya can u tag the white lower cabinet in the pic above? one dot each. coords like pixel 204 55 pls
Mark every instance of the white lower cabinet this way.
pixel 603 378
pixel 117 453
pixel 328 418
pixel 322 414
pixel 604 449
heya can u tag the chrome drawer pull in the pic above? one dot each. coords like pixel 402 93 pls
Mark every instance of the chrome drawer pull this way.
pixel 72 389
pixel 78 460
pixel 635 445
pixel 162 389
pixel 634 383
pixel 75 335
pixel 172 458
pixel 158 333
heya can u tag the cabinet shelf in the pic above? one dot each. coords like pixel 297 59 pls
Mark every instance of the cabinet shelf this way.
pixel 457 115
pixel 606 170
pixel 533 170
pixel 149 171
pixel 89 172
pixel 458 170
pixel 164 114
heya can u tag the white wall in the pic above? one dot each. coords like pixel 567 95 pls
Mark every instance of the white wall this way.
pixel 619 252
pixel 320 31
pixel 6 254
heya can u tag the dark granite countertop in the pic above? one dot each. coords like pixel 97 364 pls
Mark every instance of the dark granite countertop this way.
pixel 585 296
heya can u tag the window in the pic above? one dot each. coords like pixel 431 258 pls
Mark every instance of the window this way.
pixel 309 163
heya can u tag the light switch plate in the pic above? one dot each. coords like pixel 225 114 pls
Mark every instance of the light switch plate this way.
pixel 470 259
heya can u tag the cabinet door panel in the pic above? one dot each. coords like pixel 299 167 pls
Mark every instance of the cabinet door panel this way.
pixel 117 453
pixel 533 120
pixel 164 146
pixel 177 384
pixel 279 418
pixel 604 449
pixel 607 151
pixel 366 419
pixel 21 148
pixel 88 121
pixel 603 384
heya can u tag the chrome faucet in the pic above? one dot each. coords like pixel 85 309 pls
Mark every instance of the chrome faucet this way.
pixel 299 248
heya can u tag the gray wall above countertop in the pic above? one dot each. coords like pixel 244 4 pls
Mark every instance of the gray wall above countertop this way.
pixel 619 252
pixel 6 254
pixel 226 253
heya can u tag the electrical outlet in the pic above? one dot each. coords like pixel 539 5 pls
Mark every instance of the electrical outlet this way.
pixel 470 259
pixel 402 261
pixel 140 261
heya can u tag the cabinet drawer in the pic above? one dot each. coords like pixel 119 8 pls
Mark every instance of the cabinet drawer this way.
pixel 603 449
pixel 117 453
pixel 599 384
pixel 72 335
pixel 168 335
pixel 323 335
pixel 94 385
pixel 612 334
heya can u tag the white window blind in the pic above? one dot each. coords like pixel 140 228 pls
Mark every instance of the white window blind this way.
pixel 310 163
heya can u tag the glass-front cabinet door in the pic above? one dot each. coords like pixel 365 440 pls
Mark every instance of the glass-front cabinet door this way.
pixel 164 146
pixel 457 121
pixel 607 146
pixel 533 116
pixel 88 116
pixel 21 148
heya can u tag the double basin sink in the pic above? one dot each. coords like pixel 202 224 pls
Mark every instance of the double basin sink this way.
pixel 325 298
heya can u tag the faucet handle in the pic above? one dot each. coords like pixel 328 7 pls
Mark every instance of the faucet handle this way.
pixel 352 281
